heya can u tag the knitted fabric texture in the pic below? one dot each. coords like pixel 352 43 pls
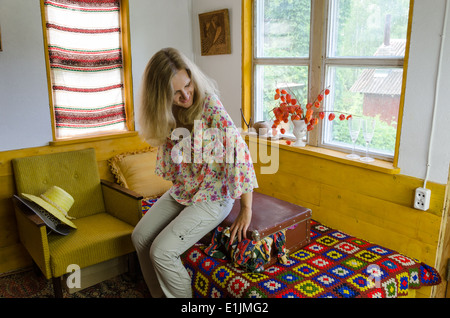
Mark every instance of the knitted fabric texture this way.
pixel 333 265
pixel 247 254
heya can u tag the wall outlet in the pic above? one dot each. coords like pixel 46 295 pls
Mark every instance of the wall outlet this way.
pixel 422 199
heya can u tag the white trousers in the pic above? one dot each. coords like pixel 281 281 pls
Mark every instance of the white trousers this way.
pixel 165 232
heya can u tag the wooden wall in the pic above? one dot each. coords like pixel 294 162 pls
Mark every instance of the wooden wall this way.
pixel 367 203
pixel 370 204
pixel 12 254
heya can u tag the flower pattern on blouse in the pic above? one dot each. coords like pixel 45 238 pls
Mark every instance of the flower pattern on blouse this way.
pixel 211 163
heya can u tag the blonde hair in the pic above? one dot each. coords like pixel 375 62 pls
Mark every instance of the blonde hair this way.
pixel 156 118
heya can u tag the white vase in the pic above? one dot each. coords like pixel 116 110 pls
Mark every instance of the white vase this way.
pixel 300 131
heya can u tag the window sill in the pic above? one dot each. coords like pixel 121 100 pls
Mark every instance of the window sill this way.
pixel 71 141
pixel 328 154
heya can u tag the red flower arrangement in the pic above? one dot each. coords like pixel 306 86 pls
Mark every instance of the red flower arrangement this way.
pixel 289 108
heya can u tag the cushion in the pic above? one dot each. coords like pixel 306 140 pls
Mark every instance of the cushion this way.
pixel 98 238
pixel 136 171
pixel 74 171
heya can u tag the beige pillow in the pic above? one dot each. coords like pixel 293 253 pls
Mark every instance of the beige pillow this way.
pixel 136 171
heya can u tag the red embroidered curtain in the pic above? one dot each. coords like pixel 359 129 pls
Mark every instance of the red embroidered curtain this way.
pixel 84 45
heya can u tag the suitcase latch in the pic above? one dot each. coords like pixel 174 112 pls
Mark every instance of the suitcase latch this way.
pixel 256 236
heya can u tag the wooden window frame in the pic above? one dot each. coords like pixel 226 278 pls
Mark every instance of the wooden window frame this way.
pixel 317 62
pixel 127 81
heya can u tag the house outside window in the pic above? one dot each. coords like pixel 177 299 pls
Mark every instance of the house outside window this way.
pixel 354 48
pixel 88 87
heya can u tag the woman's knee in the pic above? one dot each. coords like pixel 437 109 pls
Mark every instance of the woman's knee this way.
pixel 162 257
pixel 138 239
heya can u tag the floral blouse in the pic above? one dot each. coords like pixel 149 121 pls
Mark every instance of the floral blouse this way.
pixel 210 163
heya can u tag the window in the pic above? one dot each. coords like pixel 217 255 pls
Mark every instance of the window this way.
pixel 356 48
pixel 88 86
pixel 282 46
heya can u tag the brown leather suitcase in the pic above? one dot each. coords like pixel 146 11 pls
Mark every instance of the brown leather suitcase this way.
pixel 271 215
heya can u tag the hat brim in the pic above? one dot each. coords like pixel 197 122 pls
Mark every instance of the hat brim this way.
pixel 50 221
pixel 50 209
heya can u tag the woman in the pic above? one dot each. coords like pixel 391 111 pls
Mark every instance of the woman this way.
pixel 177 96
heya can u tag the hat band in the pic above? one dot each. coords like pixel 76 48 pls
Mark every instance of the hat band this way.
pixel 57 206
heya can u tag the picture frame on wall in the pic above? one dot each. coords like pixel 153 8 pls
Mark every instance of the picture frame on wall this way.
pixel 215 32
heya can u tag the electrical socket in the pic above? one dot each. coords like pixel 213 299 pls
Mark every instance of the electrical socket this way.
pixel 422 199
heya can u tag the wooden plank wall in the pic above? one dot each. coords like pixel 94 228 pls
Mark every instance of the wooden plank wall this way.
pixel 12 254
pixel 371 205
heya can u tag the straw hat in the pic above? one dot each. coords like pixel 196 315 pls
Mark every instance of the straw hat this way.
pixel 57 202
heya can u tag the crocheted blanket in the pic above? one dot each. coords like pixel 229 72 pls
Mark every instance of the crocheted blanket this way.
pixel 334 265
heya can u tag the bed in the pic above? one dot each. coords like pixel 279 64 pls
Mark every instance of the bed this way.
pixel 333 265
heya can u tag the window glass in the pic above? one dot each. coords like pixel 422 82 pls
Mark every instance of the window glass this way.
pixel 364 92
pixel 270 77
pixel 283 28
pixel 368 28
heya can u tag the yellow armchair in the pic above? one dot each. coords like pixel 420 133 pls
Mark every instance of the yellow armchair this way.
pixel 105 213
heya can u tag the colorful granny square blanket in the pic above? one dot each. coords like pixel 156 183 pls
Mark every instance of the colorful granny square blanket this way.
pixel 333 265
pixel 147 204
